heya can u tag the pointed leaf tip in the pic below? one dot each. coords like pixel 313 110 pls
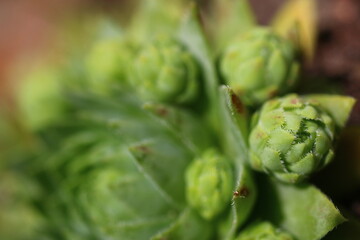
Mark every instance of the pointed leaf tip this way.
pixel 157 109
pixel 339 107
pixel 237 110
pixel 302 209
pixel 140 151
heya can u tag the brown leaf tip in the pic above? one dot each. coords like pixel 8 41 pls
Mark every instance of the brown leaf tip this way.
pixel 142 151
pixel 238 105
pixel 162 111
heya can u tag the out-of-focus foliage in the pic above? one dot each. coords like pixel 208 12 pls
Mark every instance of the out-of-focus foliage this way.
pixel 107 63
pixel 164 71
pixel 40 97
pixel 259 65
pixel 296 20
pixel 118 132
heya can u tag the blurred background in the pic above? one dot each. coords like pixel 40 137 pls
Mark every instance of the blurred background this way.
pixel 28 27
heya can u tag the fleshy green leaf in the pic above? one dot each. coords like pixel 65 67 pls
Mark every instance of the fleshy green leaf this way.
pixel 302 210
pixel 234 133
pixel 164 161
pixel 92 189
pixel 244 198
pixel 92 186
pixel 235 122
pixel 129 121
pixel 186 126
pixel 339 107
pixel 191 34
pixel 188 226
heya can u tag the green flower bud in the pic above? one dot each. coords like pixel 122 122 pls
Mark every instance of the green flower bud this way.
pixel 209 184
pixel 164 71
pixel 263 231
pixel 259 65
pixel 292 138
pixel 107 63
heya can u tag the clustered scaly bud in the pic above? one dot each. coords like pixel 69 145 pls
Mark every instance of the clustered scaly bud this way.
pixel 165 71
pixel 263 231
pixel 209 184
pixel 259 65
pixel 291 138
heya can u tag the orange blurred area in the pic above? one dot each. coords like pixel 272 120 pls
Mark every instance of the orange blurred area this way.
pixel 28 26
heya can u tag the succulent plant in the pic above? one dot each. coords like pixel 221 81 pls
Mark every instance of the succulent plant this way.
pixel 209 182
pixel 259 65
pixel 165 71
pixel 292 138
pixel 138 143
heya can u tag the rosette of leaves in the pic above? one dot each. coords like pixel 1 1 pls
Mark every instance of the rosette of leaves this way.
pixel 209 181
pixel 293 136
pixel 165 71
pixel 291 207
pixel 100 175
pixel 117 153
pixel 117 168
pixel 259 65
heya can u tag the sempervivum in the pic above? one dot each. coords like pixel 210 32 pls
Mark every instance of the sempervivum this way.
pixel 165 71
pixel 292 138
pixel 259 65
